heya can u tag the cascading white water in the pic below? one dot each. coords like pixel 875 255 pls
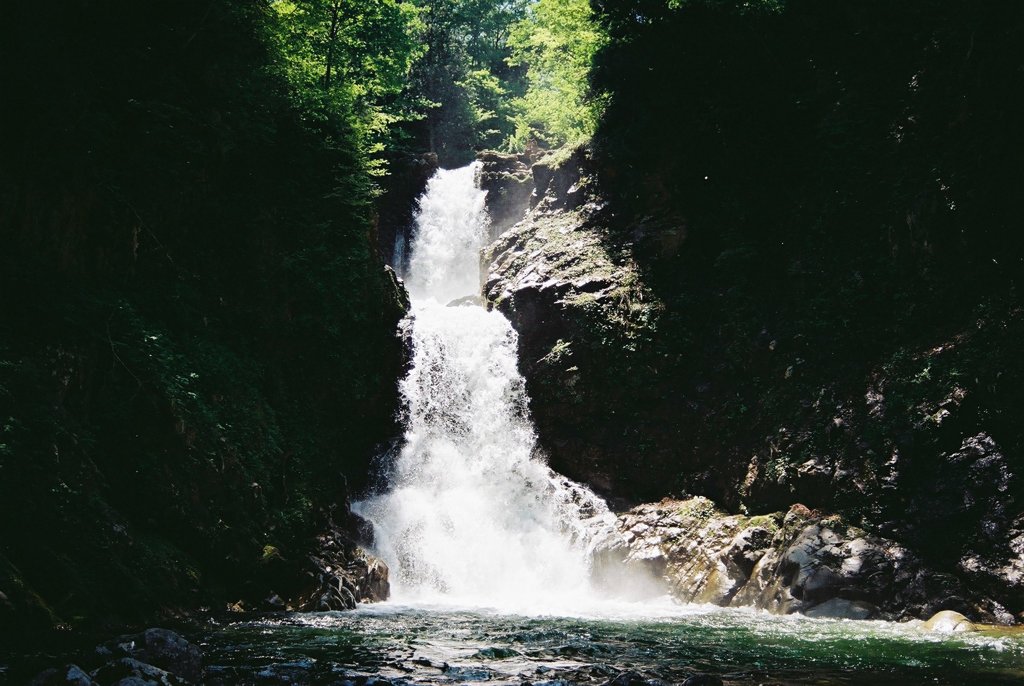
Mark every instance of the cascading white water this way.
pixel 451 225
pixel 471 516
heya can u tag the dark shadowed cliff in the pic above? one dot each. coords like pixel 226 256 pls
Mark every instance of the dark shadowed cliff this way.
pixel 788 272
pixel 197 344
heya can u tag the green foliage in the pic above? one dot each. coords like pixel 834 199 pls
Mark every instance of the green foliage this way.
pixel 557 43
pixel 451 76
pixel 464 81
pixel 348 63
pixel 201 355
pixel 699 508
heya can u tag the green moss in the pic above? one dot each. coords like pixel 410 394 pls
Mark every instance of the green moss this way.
pixel 560 351
pixel 699 508
pixel 771 522
pixel 560 156
pixel 270 553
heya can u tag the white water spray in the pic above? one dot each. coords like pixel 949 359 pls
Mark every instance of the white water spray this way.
pixel 471 517
pixel 451 226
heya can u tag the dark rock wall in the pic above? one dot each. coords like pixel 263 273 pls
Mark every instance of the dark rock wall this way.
pixel 396 209
pixel 197 337
pixel 827 215
pixel 643 391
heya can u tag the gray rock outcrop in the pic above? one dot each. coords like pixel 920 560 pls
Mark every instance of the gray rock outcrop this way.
pixel 337 575
pixel 160 648
pixel 583 315
pixel 343 579
pixel 655 367
pixel 509 185
pixel 797 561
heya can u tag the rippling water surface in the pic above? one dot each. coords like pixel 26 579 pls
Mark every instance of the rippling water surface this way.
pixel 448 645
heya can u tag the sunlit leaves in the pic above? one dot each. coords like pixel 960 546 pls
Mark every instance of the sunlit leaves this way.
pixel 348 61
pixel 557 43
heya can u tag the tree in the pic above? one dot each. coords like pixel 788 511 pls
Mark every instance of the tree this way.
pixel 556 43
pixel 348 62
pixel 465 80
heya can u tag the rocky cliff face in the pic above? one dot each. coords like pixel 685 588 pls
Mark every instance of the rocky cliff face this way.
pixel 396 209
pixel 510 186
pixel 643 390
pixel 584 318
pixel 794 561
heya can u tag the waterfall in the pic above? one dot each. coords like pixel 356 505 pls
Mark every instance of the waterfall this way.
pixel 470 514
pixel 451 226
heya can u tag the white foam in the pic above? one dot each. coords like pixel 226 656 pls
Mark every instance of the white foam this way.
pixel 471 517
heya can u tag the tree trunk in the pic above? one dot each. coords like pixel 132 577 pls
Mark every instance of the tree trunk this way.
pixel 332 35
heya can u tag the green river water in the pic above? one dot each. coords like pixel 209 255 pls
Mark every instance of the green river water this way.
pixel 445 645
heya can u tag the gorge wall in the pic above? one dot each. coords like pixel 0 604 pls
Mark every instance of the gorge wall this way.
pixel 785 277
pixel 903 449
pixel 786 274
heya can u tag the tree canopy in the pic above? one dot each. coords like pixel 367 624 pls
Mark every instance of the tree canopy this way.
pixel 556 45
pixel 448 76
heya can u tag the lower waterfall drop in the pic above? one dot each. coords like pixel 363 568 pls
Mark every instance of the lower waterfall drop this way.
pixel 470 516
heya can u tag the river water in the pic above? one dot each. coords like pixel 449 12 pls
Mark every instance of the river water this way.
pixel 489 550
pixel 433 644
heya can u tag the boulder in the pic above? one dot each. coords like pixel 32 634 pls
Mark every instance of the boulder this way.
pixel 468 301
pixel 841 608
pixel 948 622
pixel 630 678
pixel 340 575
pixel 129 671
pixel 703 680
pixel 799 561
pixel 68 675
pixel 335 575
pixel 160 648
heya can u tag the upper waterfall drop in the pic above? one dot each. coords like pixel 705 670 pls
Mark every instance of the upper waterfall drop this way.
pixel 470 516
pixel 451 225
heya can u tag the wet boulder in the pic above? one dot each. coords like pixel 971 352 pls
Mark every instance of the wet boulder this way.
pixel 841 608
pixel 340 575
pixel 631 678
pixel 127 671
pixel 948 622
pixel 68 675
pixel 799 561
pixel 703 680
pixel 160 648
